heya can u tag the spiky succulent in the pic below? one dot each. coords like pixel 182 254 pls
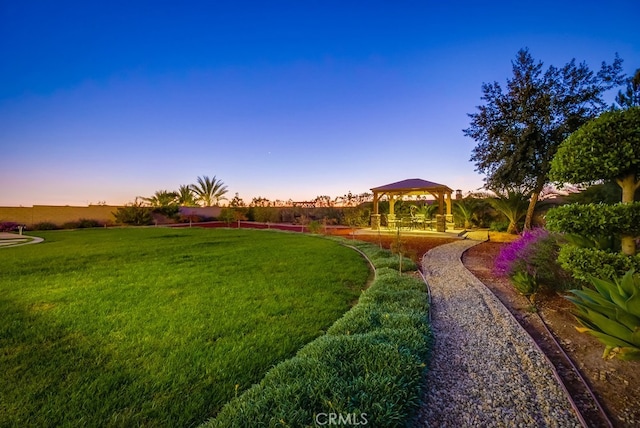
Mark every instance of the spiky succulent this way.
pixel 611 313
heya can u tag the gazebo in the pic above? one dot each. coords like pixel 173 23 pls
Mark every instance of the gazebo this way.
pixel 411 187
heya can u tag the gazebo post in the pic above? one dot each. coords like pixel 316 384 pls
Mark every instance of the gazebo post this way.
pixel 375 217
pixel 391 218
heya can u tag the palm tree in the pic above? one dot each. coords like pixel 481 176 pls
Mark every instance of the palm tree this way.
pixel 209 190
pixel 161 198
pixel 513 204
pixel 466 209
pixel 185 196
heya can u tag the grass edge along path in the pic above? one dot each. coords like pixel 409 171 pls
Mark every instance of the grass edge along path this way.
pixel 366 370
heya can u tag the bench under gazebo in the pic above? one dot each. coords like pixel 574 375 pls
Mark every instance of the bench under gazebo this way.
pixel 412 187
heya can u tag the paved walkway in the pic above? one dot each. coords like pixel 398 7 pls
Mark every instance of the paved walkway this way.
pixel 15 240
pixel 485 369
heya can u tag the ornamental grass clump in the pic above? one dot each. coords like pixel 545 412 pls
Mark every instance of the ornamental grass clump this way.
pixel 530 262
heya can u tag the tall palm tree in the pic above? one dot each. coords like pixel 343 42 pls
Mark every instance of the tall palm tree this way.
pixel 209 190
pixel 186 198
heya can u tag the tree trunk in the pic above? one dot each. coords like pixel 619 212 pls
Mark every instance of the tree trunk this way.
pixel 628 245
pixel 530 210
pixel 629 186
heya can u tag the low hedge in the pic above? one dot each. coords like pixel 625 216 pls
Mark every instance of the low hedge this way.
pixel 596 220
pixel 585 262
pixel 367 369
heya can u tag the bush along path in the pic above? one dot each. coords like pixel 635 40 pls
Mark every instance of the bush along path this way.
pixel 366 370
pixel 485 369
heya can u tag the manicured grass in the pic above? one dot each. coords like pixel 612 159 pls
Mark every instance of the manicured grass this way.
pixel 158 327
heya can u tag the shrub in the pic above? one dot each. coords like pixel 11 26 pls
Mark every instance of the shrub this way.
pixel 499 226
pixel 531 261
pixel 190 218
pixel 170 211
pixel 45 225
pixel 134 213
pixel 84 223
pixel 596 220
pixel 8 226
pixel 314 227
pixel 585 262
pixel 611 313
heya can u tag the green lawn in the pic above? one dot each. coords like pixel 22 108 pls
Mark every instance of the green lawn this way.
pixel 155 326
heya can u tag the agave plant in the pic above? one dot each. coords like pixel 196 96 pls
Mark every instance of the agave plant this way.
pixel 611 313
pixel 525 283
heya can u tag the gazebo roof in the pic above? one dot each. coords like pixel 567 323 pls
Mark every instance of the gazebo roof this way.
pixel 411 185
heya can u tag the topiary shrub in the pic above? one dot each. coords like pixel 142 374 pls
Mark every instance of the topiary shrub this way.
pixel 584 263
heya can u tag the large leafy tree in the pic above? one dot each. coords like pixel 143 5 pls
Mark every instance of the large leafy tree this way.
pixel 518 130
pixel 209 190
pixel 631 95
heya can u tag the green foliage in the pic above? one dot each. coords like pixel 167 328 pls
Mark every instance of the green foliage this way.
pixel 608 192
pixel 159 326
pixel 631 96
pixel 314 227
pixel 596 220
pixel 513 205
pixel 606 148
pixel 227 215
pixel 525 283
pixel 162 198
pixel 134 213
pixel 264 214
pixel 209 190
pixel 45 225
pixel 611 313
pixel 519 130
pixel 499 226
pixel 82 224
pixel 356 216
pixel 185 196
pixel 585 262
pixel 371 361
pixel 531 262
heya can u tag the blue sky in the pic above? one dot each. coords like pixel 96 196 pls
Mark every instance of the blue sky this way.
pixel 106 101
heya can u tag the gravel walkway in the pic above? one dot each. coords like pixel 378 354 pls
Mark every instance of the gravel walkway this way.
pixel 486 370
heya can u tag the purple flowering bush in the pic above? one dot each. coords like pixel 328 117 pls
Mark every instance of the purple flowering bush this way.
pixel 531 261
pixel 8 226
